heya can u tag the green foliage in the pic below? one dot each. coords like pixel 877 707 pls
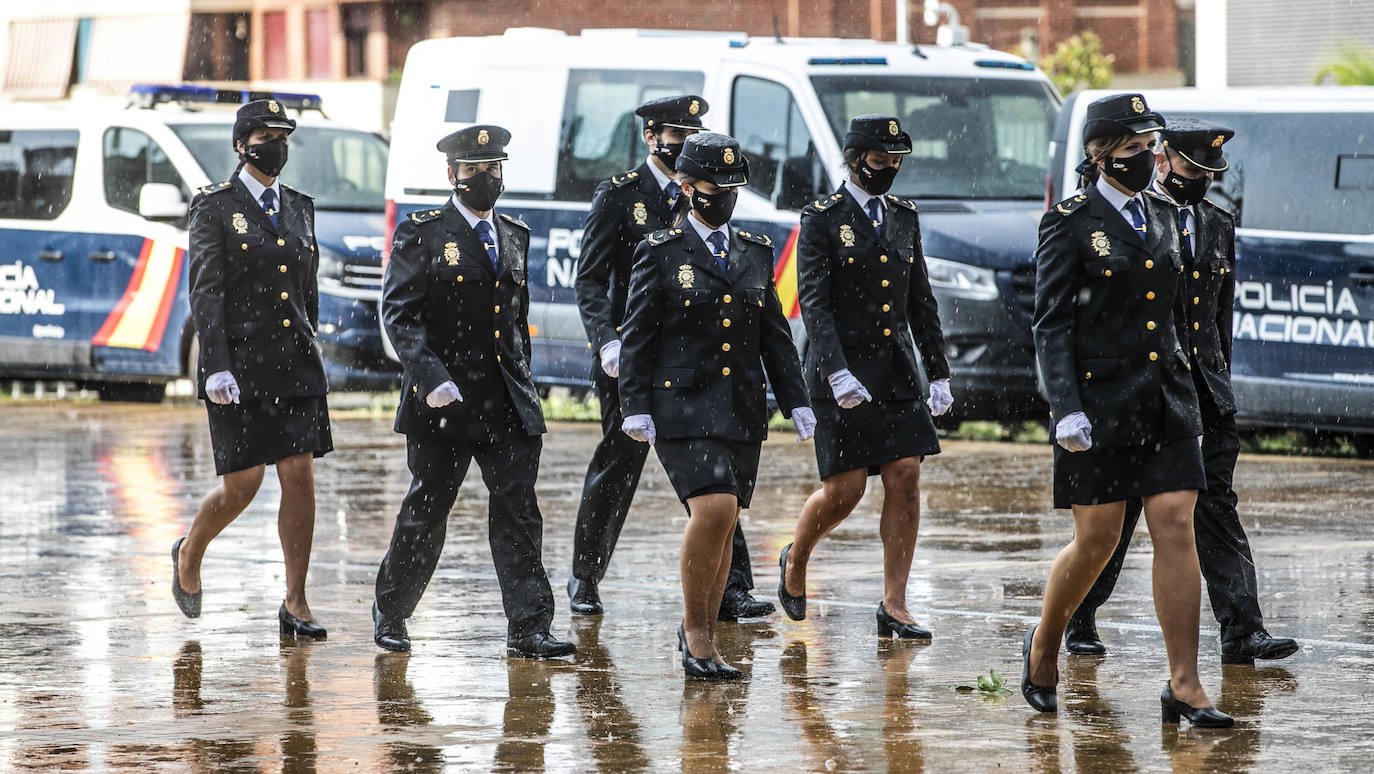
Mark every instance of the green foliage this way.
pixel 564 406
pixel 991 684
pixel 1350 65
pixel 1078 63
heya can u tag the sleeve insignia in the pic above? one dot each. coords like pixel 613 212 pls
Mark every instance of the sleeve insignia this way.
pixel 663 235
pixel 1070 204
pixel 423 216
pixel 762 239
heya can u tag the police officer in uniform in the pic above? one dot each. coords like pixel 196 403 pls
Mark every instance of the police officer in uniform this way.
pixel 625 209
pixel 255 306
pixel 703 326
pixel 1190 157
pixel 455 304
pixel 1109 274
pixel 864 291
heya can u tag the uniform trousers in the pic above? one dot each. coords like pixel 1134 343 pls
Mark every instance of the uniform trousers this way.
pixel 509 463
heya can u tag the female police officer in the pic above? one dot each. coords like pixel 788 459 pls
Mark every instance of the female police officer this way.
pixel 702 326
pixel 255 306
pixel 1107 339
pixel 863 285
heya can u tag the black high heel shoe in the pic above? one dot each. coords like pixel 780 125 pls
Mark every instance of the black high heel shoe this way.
pixel 794 607
pixel 291 626
pixel 188 602
pixel 1202 717
pixel 1040 698
pixel 891 627
pixel 696 668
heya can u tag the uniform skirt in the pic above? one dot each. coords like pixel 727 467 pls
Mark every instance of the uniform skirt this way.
pixel 262 431
pixel 1108 474
pixel 700 466
pixel 870 434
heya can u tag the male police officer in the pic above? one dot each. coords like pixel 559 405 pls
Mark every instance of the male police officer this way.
pixel 455 305
pixel 1191 155
pixel 625 209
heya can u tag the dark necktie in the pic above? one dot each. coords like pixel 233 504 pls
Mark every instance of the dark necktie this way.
pixel 484 233
pixel 875 214
pixel 717 241
pixel 1137 218
pixel 269 205
pixel 1185 235
pixel 671 190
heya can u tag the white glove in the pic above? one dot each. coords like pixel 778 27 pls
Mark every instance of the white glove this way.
pixel 847 390
pixel 221 388
pixel 1074 432
pixel 940 397
pixel 443 395
pixel 610 358
pixel 640 427
pixel 805 421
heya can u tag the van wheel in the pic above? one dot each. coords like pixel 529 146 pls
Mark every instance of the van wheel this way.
pixel 132 392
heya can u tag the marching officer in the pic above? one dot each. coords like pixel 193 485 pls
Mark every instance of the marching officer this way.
pixel 702 327
pixel 455 304
pixel 1191 156
pixel 624 210
pixel 864 292
pixel 255 306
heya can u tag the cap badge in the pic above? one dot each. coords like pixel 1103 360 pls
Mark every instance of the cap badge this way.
pixel 1100 243
pixel 892 128
pixel 273 107
pixel 639 214
pixel 847 235
pixel 451 253
pixel 728 156
pixel 482 137
pixel 694 108
pixel 1221 138
pixel 1137 104
pixel 239 222
pixel 685 275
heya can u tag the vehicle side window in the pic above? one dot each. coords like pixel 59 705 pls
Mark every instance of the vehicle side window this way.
pixel 768 124
pixel 602 136
pixel 36 172
pixel 131 158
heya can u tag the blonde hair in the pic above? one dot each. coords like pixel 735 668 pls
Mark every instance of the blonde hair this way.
pixel 1099 150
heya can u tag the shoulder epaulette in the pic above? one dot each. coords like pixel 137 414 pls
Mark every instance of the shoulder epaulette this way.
pixel 624 179
pixel 515 221
pixel 907 203
pixel 423 216
pixel 663 235
pixel 1229 215
pixel 1070 204
pixel 216 187
pixel 1161 197
pixel 825 202
pixel 296 191
pixel 762 239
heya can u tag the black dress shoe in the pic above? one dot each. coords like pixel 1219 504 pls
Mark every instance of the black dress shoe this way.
pixel 891 627
pixel 1040 698
pixel 1257 645
pixel 188 602
pixel 1202 717
pixel 584 599
pixel 389 633
pixel 538 645
pixel 738 603
pixel 693 667
pixel 1080 637
pixel 794 607
pixel 291 626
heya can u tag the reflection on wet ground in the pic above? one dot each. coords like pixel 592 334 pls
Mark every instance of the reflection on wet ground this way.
pixel 100 671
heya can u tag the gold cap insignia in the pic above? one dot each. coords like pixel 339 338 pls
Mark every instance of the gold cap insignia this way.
pixel 1100 243
pixel 892 128
pixel 1137 104
pixel 1221 138
pixel 239 222
pixel 451 253
pixel 685 275
pixel 694 108
pixel 482 137
pixel 728 155
pixel 273 107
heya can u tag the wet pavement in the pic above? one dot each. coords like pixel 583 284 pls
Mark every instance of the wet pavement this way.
pixel 99 671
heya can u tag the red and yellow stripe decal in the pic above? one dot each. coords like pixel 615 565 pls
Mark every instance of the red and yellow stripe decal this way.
pixel 140 318
pixel 785 277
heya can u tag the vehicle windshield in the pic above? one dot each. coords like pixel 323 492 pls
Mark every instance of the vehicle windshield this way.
pixel 972 138
pixel 343 169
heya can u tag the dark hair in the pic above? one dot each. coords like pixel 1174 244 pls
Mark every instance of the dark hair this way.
pixel 683 177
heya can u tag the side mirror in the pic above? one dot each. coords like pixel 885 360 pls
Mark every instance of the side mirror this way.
pixel 161 201
pixel 796 184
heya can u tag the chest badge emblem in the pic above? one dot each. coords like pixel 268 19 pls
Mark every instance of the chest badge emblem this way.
pixel 1100 243
pixel 847 235
pixel 685 275
pixel 451 253
pixel 239 222
pixel 639 214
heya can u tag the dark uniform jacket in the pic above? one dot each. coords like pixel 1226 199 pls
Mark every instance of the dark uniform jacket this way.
pixel 862 298
pixel 451 317
pixel 1108 315
pixel 625 209
pixel 253 295
pixel 696 342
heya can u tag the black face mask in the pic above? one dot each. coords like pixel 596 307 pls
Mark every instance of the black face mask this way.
pixel 876 181
pixel 1133 172
pixel 267 157
pixel 1186 190
pixel 668 152
pixel 480 191
pixel 714 209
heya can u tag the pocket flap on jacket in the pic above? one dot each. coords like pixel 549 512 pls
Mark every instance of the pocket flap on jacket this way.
pixel 674 378
pixel 1116 264
pixel 1097 368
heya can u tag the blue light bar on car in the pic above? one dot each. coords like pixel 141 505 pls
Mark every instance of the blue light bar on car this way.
pixel 152 94
pixel 847 60
pixel 1004 65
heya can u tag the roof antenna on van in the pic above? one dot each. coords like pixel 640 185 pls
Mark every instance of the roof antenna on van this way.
pixel 777 31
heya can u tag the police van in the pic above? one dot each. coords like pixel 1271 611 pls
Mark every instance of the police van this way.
pixel 93 217
pixel 980 121
pixel 1301 182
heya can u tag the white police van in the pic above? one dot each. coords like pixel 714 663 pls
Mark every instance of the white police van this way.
pixel 93 206
pixel 980 121
pixel 1301 181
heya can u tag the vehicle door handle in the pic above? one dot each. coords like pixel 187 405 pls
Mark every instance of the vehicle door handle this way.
pixel 103 256
pixel 1363 278
pixel 51 256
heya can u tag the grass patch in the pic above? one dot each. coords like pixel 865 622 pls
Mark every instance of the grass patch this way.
pixel 564 406
pixel 1016 432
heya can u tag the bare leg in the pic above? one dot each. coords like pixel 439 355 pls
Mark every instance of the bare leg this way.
pixel 1096 530
pixel 706 539
pixel 718 590
pixel 224 504
pixel 296 527
pixel 901 518
pixel 1177 588
pixel 823 511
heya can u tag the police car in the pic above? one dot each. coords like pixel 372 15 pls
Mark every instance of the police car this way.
pixel 1301 181
pixel 93 205
pixel 980 121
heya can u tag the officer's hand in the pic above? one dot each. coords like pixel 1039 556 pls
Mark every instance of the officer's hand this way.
pixel 805 421
pixel 1074 432
pixel 610 358
pixel 847 390
pixel 221 388
pixel 443 395
pixel 640 427
pixel 940 397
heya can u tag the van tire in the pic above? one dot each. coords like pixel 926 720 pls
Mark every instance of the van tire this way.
pixel 132 392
